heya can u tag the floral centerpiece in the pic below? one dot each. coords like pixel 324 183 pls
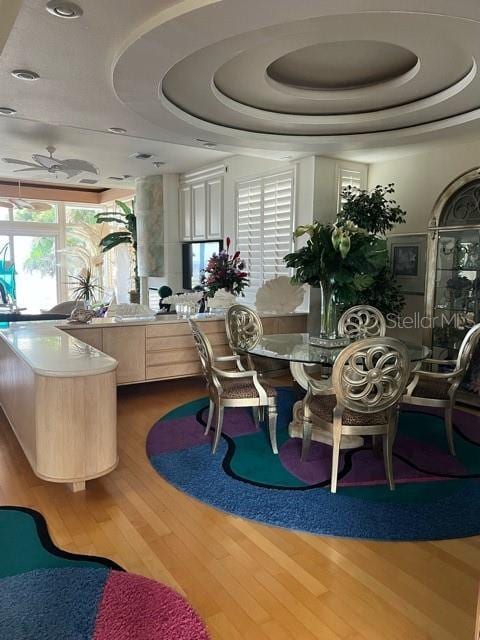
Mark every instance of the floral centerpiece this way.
pixel 225 272
pixel 346 259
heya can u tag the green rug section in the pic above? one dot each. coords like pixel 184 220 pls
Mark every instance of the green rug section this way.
pixel 249 449
pixel 25 545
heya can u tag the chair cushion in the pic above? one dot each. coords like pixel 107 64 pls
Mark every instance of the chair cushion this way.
pixel 241 389
pixel 323 406
pixel 432 388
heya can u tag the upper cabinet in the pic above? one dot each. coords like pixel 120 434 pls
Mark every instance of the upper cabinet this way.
pixel 201 205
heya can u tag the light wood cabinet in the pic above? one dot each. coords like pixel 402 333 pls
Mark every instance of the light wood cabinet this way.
pixel 93 337
pixel 166 350
pixel 127 346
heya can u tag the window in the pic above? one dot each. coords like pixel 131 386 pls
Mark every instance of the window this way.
pixel 265 211
pixel 349 175
pixel 49 242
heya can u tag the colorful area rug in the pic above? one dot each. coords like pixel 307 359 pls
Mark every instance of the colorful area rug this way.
pixel 50 594
pixel 436 497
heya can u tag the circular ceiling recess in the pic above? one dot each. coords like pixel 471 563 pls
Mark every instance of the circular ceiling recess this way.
pixel 307 74
pixel 341 65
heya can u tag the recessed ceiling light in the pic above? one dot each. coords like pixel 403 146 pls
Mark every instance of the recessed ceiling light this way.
pixel 126 176
pixel 67 10
pixel 158 163
pixel 118 130
pixel 25 74
pixel 115 177
pixel 6 111
pixel 141 156
pixel 285 157
pixel 206 143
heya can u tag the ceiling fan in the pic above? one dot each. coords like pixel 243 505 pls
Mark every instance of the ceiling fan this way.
pixel 71 167
pixel 20 203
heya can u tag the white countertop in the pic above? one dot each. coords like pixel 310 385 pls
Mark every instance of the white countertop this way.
pixel 52 352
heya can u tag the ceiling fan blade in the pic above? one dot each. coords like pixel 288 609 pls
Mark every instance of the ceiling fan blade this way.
pixel 21 204
pixel 41 206
pixel 74 164
pixel 23 162
pixel 33 168
pixel 46 161
pixel 70 173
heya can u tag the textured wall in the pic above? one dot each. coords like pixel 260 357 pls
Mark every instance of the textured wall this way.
pixel 150 226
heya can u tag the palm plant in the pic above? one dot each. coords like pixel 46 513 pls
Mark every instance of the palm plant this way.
pixel 85 287
pixel 127 235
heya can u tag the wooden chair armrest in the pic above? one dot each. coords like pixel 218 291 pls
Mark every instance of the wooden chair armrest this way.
pixel 450 363
pixel 439 376
pixel 236 359
pixel 235 375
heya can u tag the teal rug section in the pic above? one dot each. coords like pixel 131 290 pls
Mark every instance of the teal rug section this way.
pixel 26 545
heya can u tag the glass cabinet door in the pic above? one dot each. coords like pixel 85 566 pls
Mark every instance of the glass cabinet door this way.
pixel 457 289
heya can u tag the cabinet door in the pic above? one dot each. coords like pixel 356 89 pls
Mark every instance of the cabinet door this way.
pixel 199 211
pixel 185 206
pixel 93 337
pixel 214 208
pixel 127 346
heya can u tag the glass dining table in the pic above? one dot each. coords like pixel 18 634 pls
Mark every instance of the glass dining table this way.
pixel 296 350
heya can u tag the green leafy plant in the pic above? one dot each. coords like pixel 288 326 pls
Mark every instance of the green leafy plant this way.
pixel 343 258
pixel 127 235
pixel 85 286
pixel 372 210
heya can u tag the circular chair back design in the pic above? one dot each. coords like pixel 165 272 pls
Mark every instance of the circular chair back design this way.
pixel 362 321
pixel 244 328
pixel 370 375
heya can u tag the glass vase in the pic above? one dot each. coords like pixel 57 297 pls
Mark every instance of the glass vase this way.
pixel 328 311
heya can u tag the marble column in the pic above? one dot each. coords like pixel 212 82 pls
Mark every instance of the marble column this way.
pixel 149 211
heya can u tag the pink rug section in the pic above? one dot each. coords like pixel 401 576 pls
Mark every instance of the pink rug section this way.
pixel 136 608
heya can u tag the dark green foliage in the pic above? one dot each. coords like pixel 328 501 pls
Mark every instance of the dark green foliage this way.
pixel 386 295
pixel 371 210
pixel 350 256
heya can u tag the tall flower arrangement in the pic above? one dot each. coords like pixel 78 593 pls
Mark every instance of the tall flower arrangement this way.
pixel 225 272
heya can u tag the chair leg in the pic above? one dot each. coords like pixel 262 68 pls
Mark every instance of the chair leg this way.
pixel 256 416
pixel 337 437
pixel 388 440
pixel 306 439
pixel 376 446
pixel 449 428
pixel 272 427
pixel 218 428
pixel 211 411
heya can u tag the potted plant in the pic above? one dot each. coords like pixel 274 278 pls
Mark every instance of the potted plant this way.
pixel 225 272
pixel 348 259
pixel 127 235
pixel 85 288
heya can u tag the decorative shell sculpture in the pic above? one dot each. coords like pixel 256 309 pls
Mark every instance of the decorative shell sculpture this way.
pixel 129 310
pixel 221 300
pixel 279 295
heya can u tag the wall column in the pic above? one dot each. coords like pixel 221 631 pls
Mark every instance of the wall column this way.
pixel 149 211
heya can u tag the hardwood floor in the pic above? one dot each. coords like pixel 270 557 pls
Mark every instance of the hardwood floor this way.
pixel 247 580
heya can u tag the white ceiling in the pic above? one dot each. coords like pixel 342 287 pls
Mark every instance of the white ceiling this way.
pixel 171 72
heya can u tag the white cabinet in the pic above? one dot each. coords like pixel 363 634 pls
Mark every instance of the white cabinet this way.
pixel 201 207
pixel 199 211
pixel 214 208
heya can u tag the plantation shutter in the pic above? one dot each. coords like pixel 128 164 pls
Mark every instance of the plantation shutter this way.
pixel 349 177
pixel 264 227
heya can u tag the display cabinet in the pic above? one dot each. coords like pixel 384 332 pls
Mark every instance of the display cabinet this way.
pixel 453 285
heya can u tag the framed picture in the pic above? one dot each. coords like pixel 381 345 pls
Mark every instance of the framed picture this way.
pixel 408 254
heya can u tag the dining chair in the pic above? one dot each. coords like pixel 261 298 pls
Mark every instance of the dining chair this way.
pixel 240 388
pixel 368 380
pixel 244 330
pixel 362 321
pixel 439 388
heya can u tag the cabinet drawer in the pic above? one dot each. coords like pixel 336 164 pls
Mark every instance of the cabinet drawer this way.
pixel 182 342
pixel 174 370
pixel 168 329
pixel 165 357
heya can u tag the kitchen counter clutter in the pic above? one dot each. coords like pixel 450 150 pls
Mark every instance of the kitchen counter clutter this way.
pixel 58 382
